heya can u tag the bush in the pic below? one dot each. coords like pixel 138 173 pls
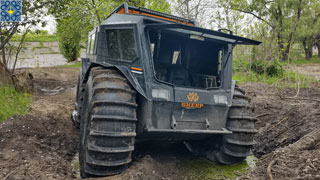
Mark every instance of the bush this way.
pixel 69 38
pixel 69 48
pixel 275 69
pixel 258 66
pixel 272 69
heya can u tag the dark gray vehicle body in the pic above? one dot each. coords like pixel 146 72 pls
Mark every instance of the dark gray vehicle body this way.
pixel 167 119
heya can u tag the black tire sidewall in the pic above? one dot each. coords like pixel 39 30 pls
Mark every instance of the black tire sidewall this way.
pixel 85 114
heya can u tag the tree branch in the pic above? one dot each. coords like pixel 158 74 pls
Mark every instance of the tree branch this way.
pixel 256 16
pixel 9 37
pixel 96 11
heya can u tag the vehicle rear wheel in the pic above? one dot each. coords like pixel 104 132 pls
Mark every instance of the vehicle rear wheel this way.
pixel 107 125
pixel 237 146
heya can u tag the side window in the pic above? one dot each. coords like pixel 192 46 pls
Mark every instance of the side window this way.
pixel 89 45
pixel 93 38
pixel 121 45
pixel 176 55
pixel 113 44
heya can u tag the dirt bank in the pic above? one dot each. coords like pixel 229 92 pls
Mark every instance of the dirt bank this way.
pixel 288 138
pixel 41 145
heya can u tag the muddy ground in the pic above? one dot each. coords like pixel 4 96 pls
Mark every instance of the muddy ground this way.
pixel 43 144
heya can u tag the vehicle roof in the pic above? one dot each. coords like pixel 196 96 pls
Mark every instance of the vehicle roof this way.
pixel 125 14
pixel 122 19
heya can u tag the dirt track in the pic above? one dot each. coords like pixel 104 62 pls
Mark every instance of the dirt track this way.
pixel 43 144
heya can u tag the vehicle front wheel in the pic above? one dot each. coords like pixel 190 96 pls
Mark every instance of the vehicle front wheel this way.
pixel 107 125
pixel 237 146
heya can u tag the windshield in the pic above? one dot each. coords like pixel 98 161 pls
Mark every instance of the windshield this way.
pixel 188 61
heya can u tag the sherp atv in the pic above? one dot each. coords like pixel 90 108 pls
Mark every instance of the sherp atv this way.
pixel 153 76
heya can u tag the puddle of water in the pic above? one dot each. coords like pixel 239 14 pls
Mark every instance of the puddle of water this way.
pixel 203 169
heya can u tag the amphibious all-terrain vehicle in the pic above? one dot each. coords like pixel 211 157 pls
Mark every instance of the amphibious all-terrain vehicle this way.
pixel 154 76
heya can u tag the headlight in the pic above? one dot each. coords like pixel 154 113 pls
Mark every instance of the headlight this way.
pixel 161 94
pixel 220 99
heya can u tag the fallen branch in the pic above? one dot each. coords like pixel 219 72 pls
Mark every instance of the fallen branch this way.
pixel 269 169
pixel 290 129
pixel 261 115
pixel 286 118
pixel 7 176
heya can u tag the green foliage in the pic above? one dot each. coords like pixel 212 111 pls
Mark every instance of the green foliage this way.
pixel 36 38
pixel 77 18
pixel 69 40
pixel 279 21
pixel 313 60
pixel 260 67
pixel 273 72
pixel 70 31
pixel 13 102
pixel 158 5
pixel 289 79
pixel 273 69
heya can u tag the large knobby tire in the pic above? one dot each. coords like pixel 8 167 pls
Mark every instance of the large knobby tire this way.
pixel 107 124
pixel 237 146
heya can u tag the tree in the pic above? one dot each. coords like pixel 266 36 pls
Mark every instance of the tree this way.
pixel 32 13
pixel 282 16
pixel 192 9
pixel 69 33
pixel 308 33
pixel 77 17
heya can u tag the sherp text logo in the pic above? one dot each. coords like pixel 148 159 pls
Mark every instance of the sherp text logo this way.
pixel 11 10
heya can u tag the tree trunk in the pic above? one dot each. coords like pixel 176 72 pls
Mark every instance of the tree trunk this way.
pixel 5 76
pixel 307 47
pixel 318 47
pixel 286 52
pixel 310 51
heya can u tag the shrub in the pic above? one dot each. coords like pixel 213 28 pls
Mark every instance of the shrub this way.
pixel 275 69
pixel 272 69
pixel 69 38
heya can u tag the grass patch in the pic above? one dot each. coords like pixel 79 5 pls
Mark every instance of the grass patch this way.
pixel 199 169
pixel 13 102
pixel 77 64
pixel 36 38
pixel 272 73
pixel 288 79
pixel 313 60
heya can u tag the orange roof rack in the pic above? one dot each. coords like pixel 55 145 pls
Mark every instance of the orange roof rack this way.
pixel 125 9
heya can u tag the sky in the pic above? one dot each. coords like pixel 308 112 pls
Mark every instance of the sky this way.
pixel 51 26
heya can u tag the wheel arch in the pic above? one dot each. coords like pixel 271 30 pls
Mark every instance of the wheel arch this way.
pixel 87 66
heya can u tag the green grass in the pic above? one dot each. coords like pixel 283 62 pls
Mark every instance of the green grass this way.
pixel 199 169
pixel 77 64
pixel 13 102
pixel 36 38
pixel 313 60
pixel 289 79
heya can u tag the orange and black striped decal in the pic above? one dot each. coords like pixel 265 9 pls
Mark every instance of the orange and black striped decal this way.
pixel 122 11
